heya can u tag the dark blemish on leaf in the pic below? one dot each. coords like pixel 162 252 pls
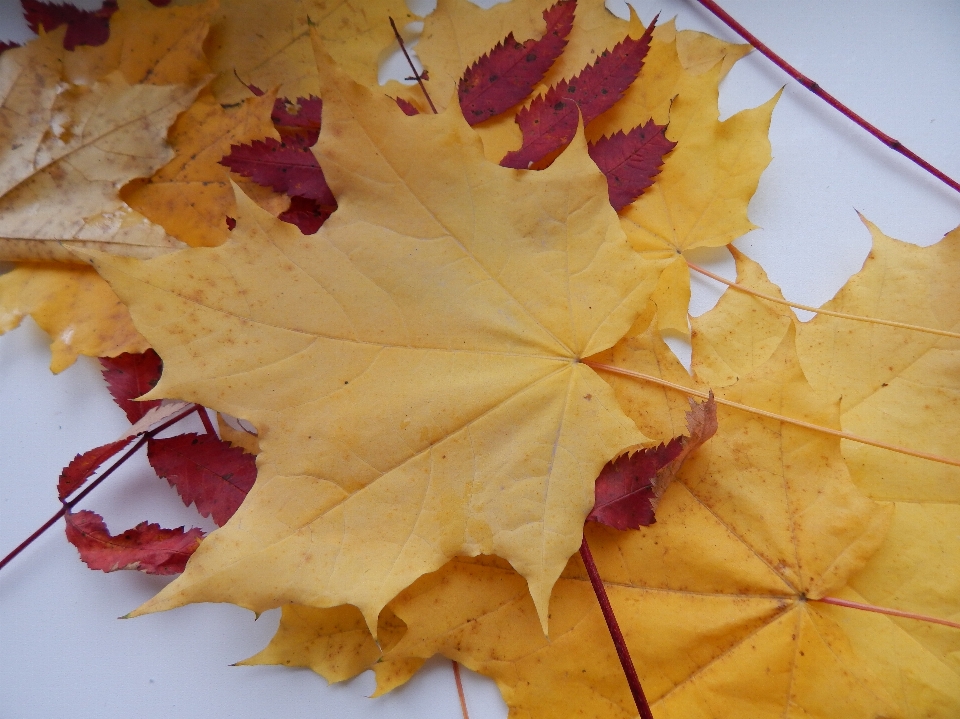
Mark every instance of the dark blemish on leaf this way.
pixel 559 106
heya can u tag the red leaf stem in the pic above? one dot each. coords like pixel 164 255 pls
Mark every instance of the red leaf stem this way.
pixel 884 610
pixel 67 506
pixel 813 87
pixel 463 698
pixel 618 641
pixel 207 424
pixel 412 66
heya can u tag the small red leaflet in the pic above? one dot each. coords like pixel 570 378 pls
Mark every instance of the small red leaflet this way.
pixel 132 375
pixel 147 547
pixel 206 471
pixel 82 467
pixel 631 161
pixel 84 27
pixel 550 122
pixel 287 166
pixel 509 72
pixel 629 487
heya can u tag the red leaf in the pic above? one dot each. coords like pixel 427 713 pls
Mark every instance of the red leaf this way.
pixel 132 375
pixel 307 214
pixel 147 547
pixel 82 467
pixel 550 122
pixel 298 123
pixel 631 161
pixel 84 27
pixel 407 107
pixel 499 80
pixel 206 471
pixel 629 487
pixel 231 223
pixel 288 169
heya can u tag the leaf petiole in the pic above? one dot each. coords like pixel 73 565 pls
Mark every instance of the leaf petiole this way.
pixel 772 415
pixel 618 641
pixel 820 310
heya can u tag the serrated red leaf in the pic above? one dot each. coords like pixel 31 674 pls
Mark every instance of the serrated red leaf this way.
pixel 299 122
pixel 132 375
pixel 509 72
pixel 82 467
pixel 147 547
pixel 287 169
pixel 550 122
pixel 307 214
pixel 630 161
pixel 205 471
pixel 629 487
pixel 408 109
pixel 84 27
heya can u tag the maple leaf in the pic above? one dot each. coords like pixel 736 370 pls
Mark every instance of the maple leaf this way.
pixel 713 594
pixel 629 488
pixel 509 72
pixel 442 301
pixel 129 376
pixel 147 547
pixel 68 150
pixel 82 467
pixel 74 306
pixel 878 372
pixel 206 471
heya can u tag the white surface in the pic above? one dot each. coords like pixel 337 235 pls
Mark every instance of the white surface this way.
pixel 64 653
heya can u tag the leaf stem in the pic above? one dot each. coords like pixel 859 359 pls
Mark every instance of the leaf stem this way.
pixel 205 418
pixel 618 641
pixel 819 310
pixel 412 66
pixel 884 610
pixel 463 698
pixel 813 87
pixel 67 506
pixel 773 415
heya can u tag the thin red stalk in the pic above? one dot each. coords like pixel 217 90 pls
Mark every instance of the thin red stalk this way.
pixel 813 87
pixel 618 641
pixel 884 610
pixel 205 418
pixel 412 66
pixel 67 506
pixel 463 698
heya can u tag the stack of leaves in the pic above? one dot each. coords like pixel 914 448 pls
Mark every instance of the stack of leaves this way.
pixel 424 342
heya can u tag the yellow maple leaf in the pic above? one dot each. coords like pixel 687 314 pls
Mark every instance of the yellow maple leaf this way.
pixel 69 148
pixel 714 600
pixel 424 345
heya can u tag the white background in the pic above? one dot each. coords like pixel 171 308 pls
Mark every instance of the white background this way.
pixel 63 650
